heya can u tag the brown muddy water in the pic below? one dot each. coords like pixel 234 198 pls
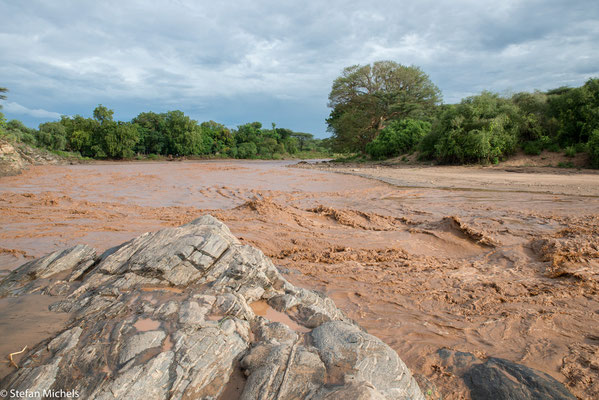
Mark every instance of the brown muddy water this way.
pixel 505 274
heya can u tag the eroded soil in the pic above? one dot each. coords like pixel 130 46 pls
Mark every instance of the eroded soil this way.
pixel 501 270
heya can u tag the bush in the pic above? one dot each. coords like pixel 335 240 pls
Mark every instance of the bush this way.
pixel 247 150
pixel 553 147
pixel 567 164
pixel 593 148
pixel 397 138
pixel 570 151
pixel 533 148
pixel 580 147
pixel 480 129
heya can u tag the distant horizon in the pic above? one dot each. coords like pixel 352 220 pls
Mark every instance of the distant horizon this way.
pixel 258 61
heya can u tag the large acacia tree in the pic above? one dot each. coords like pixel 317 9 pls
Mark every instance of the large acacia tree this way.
pixel 365 98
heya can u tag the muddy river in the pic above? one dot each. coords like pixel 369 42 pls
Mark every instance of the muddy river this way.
pixel 510 274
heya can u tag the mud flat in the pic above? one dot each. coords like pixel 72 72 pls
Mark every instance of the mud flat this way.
pixel 493 263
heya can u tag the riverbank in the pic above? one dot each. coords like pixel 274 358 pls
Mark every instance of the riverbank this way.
pixel 516 178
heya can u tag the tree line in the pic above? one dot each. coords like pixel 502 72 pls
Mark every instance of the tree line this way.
pixel 387 109
pixel 162 134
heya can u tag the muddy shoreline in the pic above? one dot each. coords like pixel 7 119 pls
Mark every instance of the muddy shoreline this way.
pixel 495 263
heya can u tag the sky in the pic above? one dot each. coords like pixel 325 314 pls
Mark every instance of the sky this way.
pixel 275 61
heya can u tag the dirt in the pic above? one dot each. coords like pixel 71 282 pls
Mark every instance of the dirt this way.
pixel 480 260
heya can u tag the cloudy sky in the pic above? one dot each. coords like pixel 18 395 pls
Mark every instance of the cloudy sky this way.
pixel 275 61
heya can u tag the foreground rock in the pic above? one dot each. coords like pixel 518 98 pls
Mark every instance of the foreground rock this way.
pixel 173 314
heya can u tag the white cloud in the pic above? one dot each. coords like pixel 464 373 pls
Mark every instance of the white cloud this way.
pixel 16 108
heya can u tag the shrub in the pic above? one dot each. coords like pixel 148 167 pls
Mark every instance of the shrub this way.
pixel 533 148
pixel 247 150
pixel 593 148
pixel 397 138
pixel 553 147
pixel 480 129
pixel 570 151
pixel 567 164
pixel 580 147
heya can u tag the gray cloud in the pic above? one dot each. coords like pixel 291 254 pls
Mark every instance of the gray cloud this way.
pixel 275 61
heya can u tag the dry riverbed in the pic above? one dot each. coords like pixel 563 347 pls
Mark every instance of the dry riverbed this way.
pixel 492 262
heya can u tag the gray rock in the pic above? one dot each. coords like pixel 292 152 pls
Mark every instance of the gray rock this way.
pixel 168 315
pixel 496 378
pixel 74 261
pixel 139 343
pixel 353 356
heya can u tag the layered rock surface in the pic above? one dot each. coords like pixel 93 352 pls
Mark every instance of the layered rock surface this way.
pixel 171 315
pixel 18 156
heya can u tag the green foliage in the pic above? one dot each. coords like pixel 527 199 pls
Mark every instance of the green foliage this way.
pixel 365 98
pixel 577 112
pixel 535 119
pixel 397 138
pixel 151 129
pixel 580 147
pixel 481 129
pixel 221 137
pixel 17 131
pixel 302 139
pixel 120 140
pixel 570 151
pixel 52 135
pixel 593 148
pixel 533 148
pixel 246 150
pixel 567 164
pixel 103 115
pixel 2 97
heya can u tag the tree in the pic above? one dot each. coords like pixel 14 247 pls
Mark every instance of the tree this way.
pixel 247 150
pixel 481 128
pixel 2 120
pixel 250 132
pixel 120 141
pixel 365 98
pixel 2 96
pixel 151 127
pixel 18 131
pixel 397 138
pixel 184 136
pixel 222 138
pixel 302 138
pixel 103 114
pixel 52 135
pixel 593 147
pixel 577 111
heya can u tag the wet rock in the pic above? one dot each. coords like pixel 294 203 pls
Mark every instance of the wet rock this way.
pixel 496 378
pixel 169 315
pixel 75 261
pixel 140 342
pixel 352 355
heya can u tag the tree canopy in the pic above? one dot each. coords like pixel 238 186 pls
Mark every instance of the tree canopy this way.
pixel 365 98
pixel 151 134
